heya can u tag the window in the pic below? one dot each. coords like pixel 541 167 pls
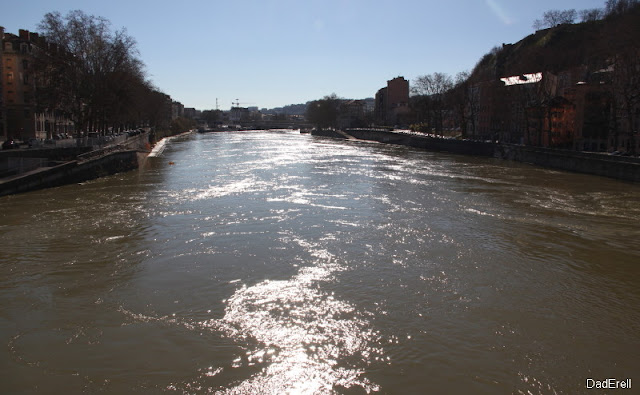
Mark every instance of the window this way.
pixel 9 77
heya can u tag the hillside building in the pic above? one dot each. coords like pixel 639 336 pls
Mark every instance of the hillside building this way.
pixel 572 110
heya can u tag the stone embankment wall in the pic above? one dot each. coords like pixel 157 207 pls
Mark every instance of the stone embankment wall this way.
pixel 73 165
pixel 600 164
pixel 623 168
pixel 466 147
pixel 139 142
pixel 71 172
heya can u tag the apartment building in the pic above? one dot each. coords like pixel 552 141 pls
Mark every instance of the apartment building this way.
pixel 392 102
pixel 3 111
pixel 18 85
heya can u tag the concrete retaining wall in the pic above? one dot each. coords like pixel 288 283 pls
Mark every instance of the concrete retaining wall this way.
pixel 600 164
pixel 466 147
pixel 327 133
pixel 139 142
pixel 71 172
pixel 623 168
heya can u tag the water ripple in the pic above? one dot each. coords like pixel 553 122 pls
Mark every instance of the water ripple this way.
pixel 303 332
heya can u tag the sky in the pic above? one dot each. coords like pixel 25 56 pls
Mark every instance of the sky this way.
pixel 270 53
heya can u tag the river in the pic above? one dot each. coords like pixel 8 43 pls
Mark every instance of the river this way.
pixel 279 262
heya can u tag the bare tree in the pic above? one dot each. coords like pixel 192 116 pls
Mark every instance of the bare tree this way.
pixel 626 96
pixel 324 112
pixel 554 18
pixel 91 71
pixel 156 108
pixel 619 7
pixel 434 86
pixel 590 15
pixel 461 99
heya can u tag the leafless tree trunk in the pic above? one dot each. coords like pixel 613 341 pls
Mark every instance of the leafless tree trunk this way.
pixel 91 70
pixel 434 86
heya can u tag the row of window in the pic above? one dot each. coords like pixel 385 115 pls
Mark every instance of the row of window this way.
pixel 25 79
pixel 24 48
pixel 27 97
pixel 8 63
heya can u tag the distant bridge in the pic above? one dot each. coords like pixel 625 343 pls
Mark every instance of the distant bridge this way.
pixel 278 124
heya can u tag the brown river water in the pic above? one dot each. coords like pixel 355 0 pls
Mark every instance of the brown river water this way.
pixel 276 262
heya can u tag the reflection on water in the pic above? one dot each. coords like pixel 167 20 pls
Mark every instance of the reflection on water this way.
pixel 274 262
pixel 303 333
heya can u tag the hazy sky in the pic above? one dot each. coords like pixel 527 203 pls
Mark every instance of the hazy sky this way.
pixel 274 52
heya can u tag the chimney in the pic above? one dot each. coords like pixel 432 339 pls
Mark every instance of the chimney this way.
pixel 24 34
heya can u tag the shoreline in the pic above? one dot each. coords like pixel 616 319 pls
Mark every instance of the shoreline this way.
pixel 84 165
pixel 159 146
pixel 103 162
pixel 617 167
pixel 76 167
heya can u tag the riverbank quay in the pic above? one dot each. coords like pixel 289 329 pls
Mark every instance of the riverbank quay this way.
pixel 600 164
pixel 46 168
pixel 159 146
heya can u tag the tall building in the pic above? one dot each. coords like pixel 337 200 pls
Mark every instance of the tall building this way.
pixel 20 116
pixel 3 112
pixel 18 85
pixel 190 112
pixel 392 102
pixel 177 109
pixel 352 114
